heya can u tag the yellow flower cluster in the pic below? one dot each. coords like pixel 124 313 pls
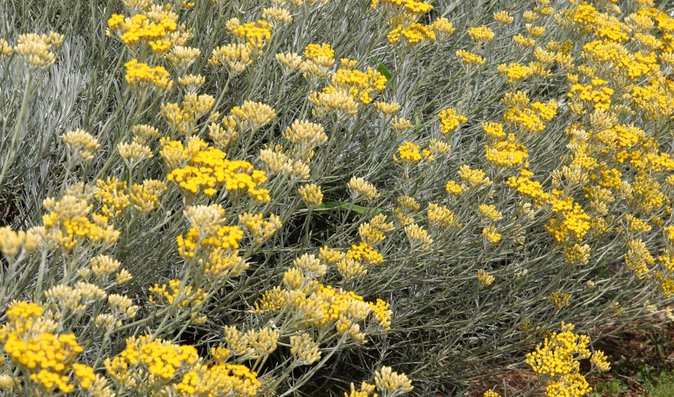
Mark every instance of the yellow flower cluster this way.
pixel 70 221
pixel 363 255
pixel 403 16
pixel 37 50
pixel 597 95
pixel 386 381
pixel 29 341
pixel 408 153
pixel 515 72
pixel 413 33
pixel 219 380
pixel 254 34
pixel 470 58
pixel 491 234
pixel 321 54
pixel 450 120
pixel 350 88
pixel 175 294
pixel 610 189
pixel 560 299
pixel 506 153
pixel 319 305
pixel 558 359
pixel 197 167
pixel 146 355
pixel 252 344
pixel 208 232
pixel 485 278
pixel 260 229
pixel 525 115
pixel 184 117
pixel 153 28
pixel 409 6
pixel 481 34
pixel 83 144
pixel 359 85
pixel 140 73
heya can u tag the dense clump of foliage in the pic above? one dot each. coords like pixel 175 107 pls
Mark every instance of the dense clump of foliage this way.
pixel 315 197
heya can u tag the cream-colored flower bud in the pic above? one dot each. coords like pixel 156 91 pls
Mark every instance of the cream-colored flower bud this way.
pixel 311 194
pixel 400 124
pixel 294 279
pixel 5 48
pixel 485 278
pixel 119 301
pixel 235 56
pixel 276 161
pixel 198 104
pixel 253 115
pixel 277 14
pixel 89 291
pixel 81 143
pixel 263 341
pixel 134 152
pixel 206 219
pixel 232 24
pixel 37 50
pixel 144 132
pixel 304 349
pixel 387 108
pixel 300 169
pixel 223 134
pixel 358 310
pixel 66 298
pixel 418 236
pixel 123 277
pixel 11 241
pixel 311 265
pixel 359 186
pixel 84 272
pixel 392 382
pixel 131 311
pixel 103 265
pixel 289 60
pixel 192 81
pixel 35 238
pixel 105 321
pixel 350 268
pixel 8 382
pixel 182 57
pixel 503 17
pixel 303 132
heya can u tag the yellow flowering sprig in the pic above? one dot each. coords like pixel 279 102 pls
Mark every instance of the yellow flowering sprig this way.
pixel 45 357
pixel 197 167
pixel 558 359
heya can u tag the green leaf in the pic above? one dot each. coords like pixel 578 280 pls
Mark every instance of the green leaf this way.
pixel 386 72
